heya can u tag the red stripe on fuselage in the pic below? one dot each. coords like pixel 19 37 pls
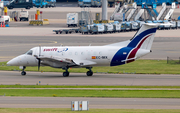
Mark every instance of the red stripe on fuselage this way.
pixel 134 51
pixel 132 55
pixel 140 44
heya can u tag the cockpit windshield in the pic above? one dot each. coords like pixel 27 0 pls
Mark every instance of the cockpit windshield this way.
pixel 30 52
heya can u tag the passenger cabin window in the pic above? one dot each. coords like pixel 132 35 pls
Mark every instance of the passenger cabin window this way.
pixel 29 52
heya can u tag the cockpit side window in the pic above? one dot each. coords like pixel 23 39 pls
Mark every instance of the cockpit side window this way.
pixel 30 52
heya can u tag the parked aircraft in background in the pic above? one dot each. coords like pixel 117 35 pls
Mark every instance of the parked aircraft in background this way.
pixel 88 56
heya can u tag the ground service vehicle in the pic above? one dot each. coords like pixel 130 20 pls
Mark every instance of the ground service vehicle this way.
pixel 51 3
pixel 111 3
pixel 24 15
pixel 5 2
pixel 4 19
pixel 97 3
pixel 72 19
pixel 40 3
pixel 20 4
pixel 85 3
pixel 157 2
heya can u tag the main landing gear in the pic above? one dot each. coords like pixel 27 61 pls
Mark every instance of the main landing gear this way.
pixel 90 72
pixel 66 73
pixel 23 73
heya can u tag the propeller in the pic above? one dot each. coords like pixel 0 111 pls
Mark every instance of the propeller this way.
pixel 37 57
pixel 39 63
pixel 39 60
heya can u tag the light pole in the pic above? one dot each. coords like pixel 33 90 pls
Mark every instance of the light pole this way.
pixel 104 9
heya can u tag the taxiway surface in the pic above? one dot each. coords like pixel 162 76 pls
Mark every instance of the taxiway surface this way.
pixel 52 78
pixel 100 103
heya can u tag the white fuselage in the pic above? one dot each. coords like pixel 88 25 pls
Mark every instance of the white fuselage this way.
pixel 100 55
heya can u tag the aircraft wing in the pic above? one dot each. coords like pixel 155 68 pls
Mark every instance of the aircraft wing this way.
pixel 46 59
pixel 84 62
pixel 55 59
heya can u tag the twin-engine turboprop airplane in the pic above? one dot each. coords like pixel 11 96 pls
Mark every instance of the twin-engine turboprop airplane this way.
pixel 89 56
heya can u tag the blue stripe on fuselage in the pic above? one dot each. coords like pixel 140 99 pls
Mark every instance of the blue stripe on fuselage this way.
pixel 120 56
pixel 139 37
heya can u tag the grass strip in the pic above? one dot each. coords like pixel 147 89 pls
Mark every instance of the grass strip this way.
pixel 68 110
pixel 139 67
pixel 55 86
pixel 91 93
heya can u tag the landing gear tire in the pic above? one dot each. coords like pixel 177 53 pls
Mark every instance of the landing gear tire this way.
pixel 65 74
pixel 23 73
pixel 89 73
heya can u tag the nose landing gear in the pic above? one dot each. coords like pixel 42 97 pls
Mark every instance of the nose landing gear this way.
pixel 23 73
pixel 66 73
pixel 90 72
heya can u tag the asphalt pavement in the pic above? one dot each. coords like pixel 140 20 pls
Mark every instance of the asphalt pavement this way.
pixel 100 103
pixel 52 78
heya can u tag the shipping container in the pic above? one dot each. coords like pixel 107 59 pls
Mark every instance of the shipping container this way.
pixel 108 28
pixel 116 27
pixel 97 28
pixel 166 26
pixel 72 19
pixel 135 26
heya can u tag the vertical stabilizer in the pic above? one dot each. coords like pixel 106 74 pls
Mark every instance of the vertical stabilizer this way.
pixel 144 37
pixel 139 45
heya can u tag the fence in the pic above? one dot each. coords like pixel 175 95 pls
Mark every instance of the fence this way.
pixel 173 60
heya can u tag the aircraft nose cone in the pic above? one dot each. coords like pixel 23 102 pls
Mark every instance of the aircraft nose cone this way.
pixel 12 62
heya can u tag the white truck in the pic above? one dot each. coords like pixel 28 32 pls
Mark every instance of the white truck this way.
pixel 24 15
pixel 72 19
pixel 4 19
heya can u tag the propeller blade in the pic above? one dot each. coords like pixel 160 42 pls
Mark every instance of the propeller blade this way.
pixel 39 63
pixel 39 60
pixel 39 50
